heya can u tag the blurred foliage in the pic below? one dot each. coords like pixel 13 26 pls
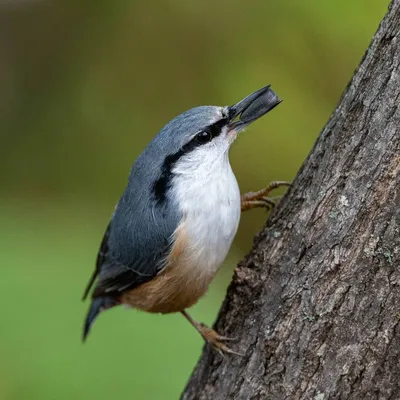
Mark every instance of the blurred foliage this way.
pixel 83 87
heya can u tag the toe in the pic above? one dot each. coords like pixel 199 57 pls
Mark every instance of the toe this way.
pixel 216 341
pixel 227 339
pixel 230 351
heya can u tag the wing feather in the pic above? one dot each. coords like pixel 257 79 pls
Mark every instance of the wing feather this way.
pixel 101 256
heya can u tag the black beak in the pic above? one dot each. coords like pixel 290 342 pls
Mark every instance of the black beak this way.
pixel 252 107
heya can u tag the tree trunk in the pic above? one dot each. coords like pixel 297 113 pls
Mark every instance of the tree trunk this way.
pixel 316 304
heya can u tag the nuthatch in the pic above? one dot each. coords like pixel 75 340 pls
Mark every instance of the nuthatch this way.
pixel 174 224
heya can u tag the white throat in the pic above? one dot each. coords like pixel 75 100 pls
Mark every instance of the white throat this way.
pixel 209 199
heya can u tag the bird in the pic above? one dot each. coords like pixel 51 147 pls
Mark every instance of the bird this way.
pixel 175 222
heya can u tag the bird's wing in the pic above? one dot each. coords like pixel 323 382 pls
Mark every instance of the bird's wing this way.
pixel 126 279
pixel 134 248
pixel 101 256
pixel 116 276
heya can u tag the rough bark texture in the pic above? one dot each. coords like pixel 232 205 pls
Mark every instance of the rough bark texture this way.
pixel 316 304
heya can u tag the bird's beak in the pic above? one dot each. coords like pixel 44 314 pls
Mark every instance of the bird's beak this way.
pixel 251 108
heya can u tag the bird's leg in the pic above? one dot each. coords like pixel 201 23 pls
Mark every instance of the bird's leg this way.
pixel 211 337
pixel 260 199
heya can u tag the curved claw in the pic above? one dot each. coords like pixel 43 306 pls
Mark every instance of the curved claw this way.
pixel 222 349
pixel 227 338
pixel 269 203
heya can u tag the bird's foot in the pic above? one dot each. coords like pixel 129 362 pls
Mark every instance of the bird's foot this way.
pixel 260 199
pixel 215 340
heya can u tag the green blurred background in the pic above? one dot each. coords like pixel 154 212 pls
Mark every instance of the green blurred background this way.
pixel 83 87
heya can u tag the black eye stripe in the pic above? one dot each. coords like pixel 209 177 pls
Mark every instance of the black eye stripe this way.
pixel 214 130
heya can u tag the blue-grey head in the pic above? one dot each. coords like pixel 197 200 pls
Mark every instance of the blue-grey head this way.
pixel 197 140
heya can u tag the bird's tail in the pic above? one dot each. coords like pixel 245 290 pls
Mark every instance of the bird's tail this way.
pixel 98 305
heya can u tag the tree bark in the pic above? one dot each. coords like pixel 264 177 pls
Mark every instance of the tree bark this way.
pixel 316 304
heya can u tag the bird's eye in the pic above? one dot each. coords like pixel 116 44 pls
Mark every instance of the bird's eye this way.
pixel 204 137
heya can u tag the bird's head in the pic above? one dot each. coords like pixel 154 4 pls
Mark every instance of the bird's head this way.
pixel 198 140
pixel 206 132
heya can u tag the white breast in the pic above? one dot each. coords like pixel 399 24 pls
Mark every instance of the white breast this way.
pixel 210 202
